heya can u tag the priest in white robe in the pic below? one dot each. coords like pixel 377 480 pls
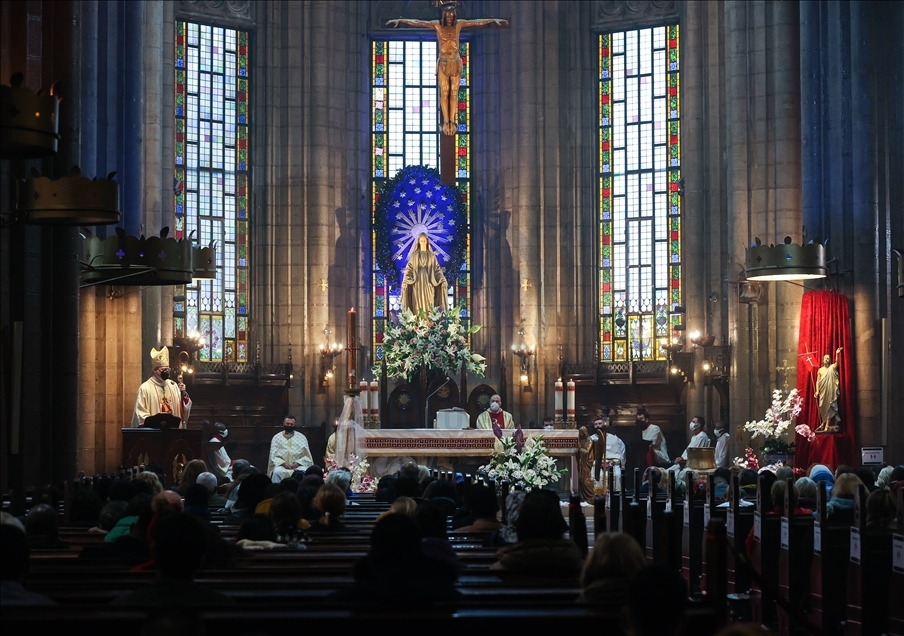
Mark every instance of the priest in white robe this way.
pixel 289 451
pixel 699 439
pixel 608 452
pixel 159 394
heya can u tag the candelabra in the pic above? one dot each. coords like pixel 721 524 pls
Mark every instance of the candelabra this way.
pixel 328 353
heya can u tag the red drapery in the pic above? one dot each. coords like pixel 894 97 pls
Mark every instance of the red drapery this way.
pixel 825 326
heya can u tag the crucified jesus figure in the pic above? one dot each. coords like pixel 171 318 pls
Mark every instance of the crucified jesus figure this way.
pixel 448 66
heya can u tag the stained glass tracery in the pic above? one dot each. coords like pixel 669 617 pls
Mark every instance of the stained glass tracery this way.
pixel 640 207
pixel 211 183
pixel 405 132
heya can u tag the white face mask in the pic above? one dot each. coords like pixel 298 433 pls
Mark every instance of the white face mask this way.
pixel 224 433
pixel 694 426
pixel 494 406
pixel 719 432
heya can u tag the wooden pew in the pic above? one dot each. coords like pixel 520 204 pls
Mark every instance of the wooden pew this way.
pixel 634 521
pixel 829 566
pixel 738 522
pixel 692 537
pixel 767 535
pixel 656 533
pixel 896 589
pixel 614 520
pixel 869 574
pixel 795 556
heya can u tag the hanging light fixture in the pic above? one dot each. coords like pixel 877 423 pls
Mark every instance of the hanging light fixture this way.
pixel 29 121
pixel 785 261
pixel 72 200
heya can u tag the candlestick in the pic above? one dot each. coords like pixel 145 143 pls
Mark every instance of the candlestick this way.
pixel 352 342
pixel 559 399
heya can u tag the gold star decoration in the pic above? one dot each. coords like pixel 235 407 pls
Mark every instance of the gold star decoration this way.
pixel 324 284
pixel 526 284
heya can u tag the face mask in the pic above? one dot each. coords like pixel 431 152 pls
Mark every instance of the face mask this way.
pixel 693 426
pixel 164 375
pixel 224 433
pixel 640 424
pixel 719 432
pixel 494 406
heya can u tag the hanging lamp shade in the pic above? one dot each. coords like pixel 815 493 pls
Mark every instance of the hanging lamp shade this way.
pixel 144 261
pixel 785 261
pixel 72 200
pixel 29 121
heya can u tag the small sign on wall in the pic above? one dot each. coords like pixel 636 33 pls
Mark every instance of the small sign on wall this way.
pixel 872 455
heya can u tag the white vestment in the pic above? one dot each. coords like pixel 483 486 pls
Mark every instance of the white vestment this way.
pixel 653 434
pixel 700 440
pixel 288 449
pixel 159 396
pixel 220 458
pixel 722 451
pixel 615 449
pixel 485 421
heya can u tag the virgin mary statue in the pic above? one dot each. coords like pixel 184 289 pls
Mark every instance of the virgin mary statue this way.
pixel 423 283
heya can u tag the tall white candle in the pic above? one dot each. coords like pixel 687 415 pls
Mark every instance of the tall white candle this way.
pixel 374 400
pixel 570 400
pixel 559 399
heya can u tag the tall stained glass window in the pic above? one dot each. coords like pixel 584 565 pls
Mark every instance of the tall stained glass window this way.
pixel 211 184
pixel 640 207
pixel 405 131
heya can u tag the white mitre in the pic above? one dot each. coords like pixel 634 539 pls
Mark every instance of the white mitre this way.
pixel 161 357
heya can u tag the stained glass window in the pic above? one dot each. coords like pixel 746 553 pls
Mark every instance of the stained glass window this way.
pixel 211 183
pixel 405 131
pixel 640 206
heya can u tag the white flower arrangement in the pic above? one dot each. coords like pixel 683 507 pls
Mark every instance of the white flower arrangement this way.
pixel 527 465
pixel 436 340
pixel 778 419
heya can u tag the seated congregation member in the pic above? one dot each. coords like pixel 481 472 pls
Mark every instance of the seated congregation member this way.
pixel 402 506
pixel 190 475
pixel 109 517
pixel 840 507
pixel 805 488
pixel 867 477
pixel 42 528
pixel 289 451
pixel 209 481
pixel 431 523
pixel 154 485
pixel 287 516
pixel 508 534
pixel 14 556
pixel 395 568
pixel 330 503
pixel 130 534
pixel 657 599
pixel 541 548
pixel 341 478
pixel 484 508
pixel 256 528
pixel 881 510
pixel 614 561
pixel 250 495
pixel 883 480
pixel 196 501
pixel 179 550
pixel 819 473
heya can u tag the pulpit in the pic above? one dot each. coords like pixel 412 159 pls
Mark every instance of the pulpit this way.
pixel 171 448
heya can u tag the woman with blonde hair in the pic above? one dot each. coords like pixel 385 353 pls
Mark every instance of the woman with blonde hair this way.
pixel 330 503
pixel 609 568
pixel 401 506
pixel 841 506
pixel 152 479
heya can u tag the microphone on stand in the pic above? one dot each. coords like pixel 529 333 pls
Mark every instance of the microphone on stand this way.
pixel 427 402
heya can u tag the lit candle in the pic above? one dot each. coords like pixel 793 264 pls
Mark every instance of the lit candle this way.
pixel 570 400
pixel 374 400
pixel 559 399
pixel 362 387
pixel 352 343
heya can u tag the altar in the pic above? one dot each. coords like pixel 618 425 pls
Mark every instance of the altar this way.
pixel 429 442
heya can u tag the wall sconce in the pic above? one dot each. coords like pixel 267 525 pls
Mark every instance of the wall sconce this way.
pixel 328 353
pixel 700 340
pixel 525 354
pixel 716 363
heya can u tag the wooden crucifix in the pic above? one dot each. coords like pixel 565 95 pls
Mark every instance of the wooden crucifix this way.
pixel 448 74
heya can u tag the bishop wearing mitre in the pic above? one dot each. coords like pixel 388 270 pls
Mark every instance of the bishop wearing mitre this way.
pixel 159 394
